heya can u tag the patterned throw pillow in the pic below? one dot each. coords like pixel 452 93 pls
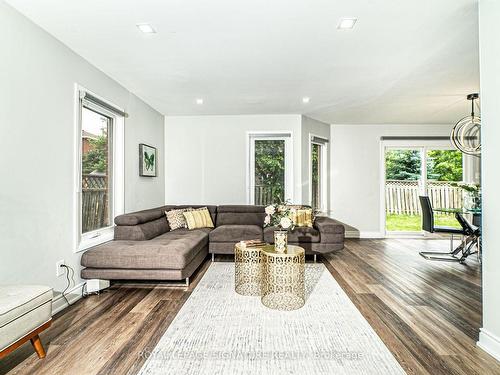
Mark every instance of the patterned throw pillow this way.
pixel 302 216
pixel 176 218
pixel 199 218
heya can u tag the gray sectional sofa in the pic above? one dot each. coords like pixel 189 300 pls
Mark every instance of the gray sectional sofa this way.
pixel 144 247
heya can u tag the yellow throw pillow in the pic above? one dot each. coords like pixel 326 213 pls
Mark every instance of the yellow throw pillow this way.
pixel 302 217
pixel 199 218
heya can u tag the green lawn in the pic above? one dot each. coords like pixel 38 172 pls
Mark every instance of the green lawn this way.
pixel 413 223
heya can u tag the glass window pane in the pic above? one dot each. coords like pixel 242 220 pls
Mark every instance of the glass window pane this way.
pixel 444 165
pixel 269 171
pixel 96 177
pixel 403 165
pixel 443 168
pixel 402 189
pixel 315 176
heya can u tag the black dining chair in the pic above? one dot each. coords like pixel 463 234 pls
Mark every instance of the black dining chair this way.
pixel 428 226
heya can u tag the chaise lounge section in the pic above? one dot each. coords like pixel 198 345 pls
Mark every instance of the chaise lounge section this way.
pixel 144 247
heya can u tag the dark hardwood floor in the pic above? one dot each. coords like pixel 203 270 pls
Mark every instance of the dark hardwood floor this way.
pixel 427 313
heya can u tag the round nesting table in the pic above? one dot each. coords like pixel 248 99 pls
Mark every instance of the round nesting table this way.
pixel 248 270
pixel 283 278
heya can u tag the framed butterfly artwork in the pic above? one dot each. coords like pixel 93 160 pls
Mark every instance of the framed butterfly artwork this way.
pixel 147 160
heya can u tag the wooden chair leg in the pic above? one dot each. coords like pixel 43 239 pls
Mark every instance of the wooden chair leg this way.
pixel 37 344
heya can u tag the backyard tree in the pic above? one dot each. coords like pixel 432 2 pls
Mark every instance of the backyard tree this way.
pixel 402 164
pixel 96 159
pixel 270 168
pixel 444 165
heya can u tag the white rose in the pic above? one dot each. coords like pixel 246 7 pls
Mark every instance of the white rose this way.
pixel 285 222
pixel 267 220
pixel 270 210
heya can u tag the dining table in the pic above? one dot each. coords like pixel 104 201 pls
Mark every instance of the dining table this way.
pixel 470 221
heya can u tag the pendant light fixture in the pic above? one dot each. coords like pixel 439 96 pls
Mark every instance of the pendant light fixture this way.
pixel 466 134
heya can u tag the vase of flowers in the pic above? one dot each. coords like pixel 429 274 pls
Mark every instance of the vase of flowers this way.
pixel 279 216
pixel 472 195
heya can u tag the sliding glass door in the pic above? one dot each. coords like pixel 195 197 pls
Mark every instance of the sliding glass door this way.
pixel 420 170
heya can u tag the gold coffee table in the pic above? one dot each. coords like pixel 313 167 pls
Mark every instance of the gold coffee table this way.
pixel 248 270
pixel 283 278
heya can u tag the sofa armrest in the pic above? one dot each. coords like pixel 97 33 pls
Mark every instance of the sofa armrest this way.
pixel 331 230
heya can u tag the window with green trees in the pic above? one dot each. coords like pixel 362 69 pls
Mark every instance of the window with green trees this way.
pixel 444 165
pixel 316 176
pixel 402 164
pixel 269 171
pixel 96 172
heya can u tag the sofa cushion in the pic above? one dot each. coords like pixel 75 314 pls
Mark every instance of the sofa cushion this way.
pixel 240 215
pixel 18 300
pixel 199 218
pixel 236 233
pixel 172 250
pixel 302 217
pixel 176 219
pixel 299 234
pixel 211 209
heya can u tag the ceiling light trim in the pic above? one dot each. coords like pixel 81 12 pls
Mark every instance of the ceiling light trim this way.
pixel 145 28
pixel 347 23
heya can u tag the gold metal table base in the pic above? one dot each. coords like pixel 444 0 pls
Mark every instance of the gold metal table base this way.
pixel 248 270
pixel 283 278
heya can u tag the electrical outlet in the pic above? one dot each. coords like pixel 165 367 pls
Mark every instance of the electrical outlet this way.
pixel 59 269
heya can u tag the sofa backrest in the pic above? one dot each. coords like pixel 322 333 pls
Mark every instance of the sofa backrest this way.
pixel 144 216
pixel 142 225
pixel 148 224
pixel 240 215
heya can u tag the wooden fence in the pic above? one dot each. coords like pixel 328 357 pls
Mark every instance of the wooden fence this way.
pixel 264 195
pixel 401 197
pixel 94 202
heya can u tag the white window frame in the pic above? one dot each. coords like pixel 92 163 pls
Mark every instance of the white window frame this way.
pixel 286 136
pixel 422 146
pixel 323 171
pixel 83 241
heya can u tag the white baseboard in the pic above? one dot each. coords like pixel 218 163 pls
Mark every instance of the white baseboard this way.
pixel 356 234
pixel 489 343
pixel 72 295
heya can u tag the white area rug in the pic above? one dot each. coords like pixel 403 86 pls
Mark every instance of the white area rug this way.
pixel 217 331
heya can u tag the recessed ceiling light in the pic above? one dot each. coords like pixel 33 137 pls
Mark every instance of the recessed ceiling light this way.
pixel 346 23
pixel 146 28
pixel 306 99
pixel 199 101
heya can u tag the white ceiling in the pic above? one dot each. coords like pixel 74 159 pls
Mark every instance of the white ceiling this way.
pixel 406 61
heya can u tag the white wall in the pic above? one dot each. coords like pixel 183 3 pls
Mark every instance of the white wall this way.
pixel 144 125
pixel 489 30
pixel 37 75
pixel 206 157
pixel 355 171
pixel 320 129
